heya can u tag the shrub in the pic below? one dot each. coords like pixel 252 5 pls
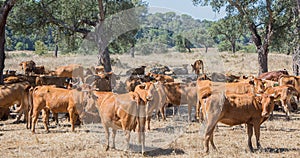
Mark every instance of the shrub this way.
pixel 40 48
pixel 19 46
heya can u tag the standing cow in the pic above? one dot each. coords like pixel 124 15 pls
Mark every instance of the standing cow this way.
pixel 198 64
pixel 123 111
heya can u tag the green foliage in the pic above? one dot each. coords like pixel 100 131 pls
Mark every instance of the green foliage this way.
pixel 40 48
pixel 250 48
pixel 19 46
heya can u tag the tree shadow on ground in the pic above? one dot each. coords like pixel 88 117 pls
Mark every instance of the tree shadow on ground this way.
pixel 164 152
pixel 279 150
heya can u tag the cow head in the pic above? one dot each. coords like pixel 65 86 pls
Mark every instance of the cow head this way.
pixel 267 104
pixel 258 85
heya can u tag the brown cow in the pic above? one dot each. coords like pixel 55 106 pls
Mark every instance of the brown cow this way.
pixel 16 93
pixel 154 95
pixel 236 109
pixel 27 66
pixel 57 100
pixel 132 82
pixel 60 82
pixel 123 111
pixel 204 89
pixel 162 78
pixel 198 64
pixel 136 71
pixel 273 75
pixel 102 82
pixel 40 70
pixel 70 71
pixel 284 94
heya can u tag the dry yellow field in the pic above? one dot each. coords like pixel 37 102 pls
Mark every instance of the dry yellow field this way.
pixel 173 138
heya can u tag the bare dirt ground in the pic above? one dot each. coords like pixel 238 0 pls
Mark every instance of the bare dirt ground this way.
pixel 173 138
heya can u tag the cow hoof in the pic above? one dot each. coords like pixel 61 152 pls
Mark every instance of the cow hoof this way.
pixel 106 147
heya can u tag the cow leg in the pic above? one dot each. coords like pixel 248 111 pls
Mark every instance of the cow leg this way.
pixel 72 119
pixel 189 112
pixel 127 138
pixel 211 124
pixel 55 117
pixel 34 119
pixel 250 133
pixel 257 134
pixel 114 132
pixel 107 137
pixel 46 119
pixel 212 142
pixel 148 122
pixel 162 112
pixel 286 108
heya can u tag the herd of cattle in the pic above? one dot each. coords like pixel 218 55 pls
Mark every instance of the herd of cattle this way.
pixel 90 95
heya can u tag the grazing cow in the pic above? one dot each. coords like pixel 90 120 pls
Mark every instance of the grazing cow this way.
pixel 136 71
pixel 57 100
pixel 27 66
pixel 60 82
pixel 284 94
pixel 154 95
pixel 70 71
pixel 236 109
pixel 198 64
pixel 122 111
pixel 273 75
pixel 16 93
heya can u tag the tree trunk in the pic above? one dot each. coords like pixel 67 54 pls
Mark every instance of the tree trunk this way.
pixel 206 49
pixel 2 54
pixel 4 10
pixel 132 50
pixel 233 49
pixel 56 51
pixel 104 59
pixel 103 55
pixel 296 55
pixel 262 52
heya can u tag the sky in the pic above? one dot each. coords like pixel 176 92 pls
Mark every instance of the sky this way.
pixel 184 7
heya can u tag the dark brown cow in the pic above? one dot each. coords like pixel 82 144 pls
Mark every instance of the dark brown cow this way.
pixel 198 64
pixel 40 70
pixel 102 82
pixel 132 82
pixel 273 75
pixel 123 111
pixel 236 109
pixel 136 71
pixel 27 66
pixel 60 82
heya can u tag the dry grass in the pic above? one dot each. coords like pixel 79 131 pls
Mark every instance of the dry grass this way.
pixel 174 138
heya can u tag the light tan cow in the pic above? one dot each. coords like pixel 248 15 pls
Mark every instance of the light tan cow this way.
pixel 123 111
